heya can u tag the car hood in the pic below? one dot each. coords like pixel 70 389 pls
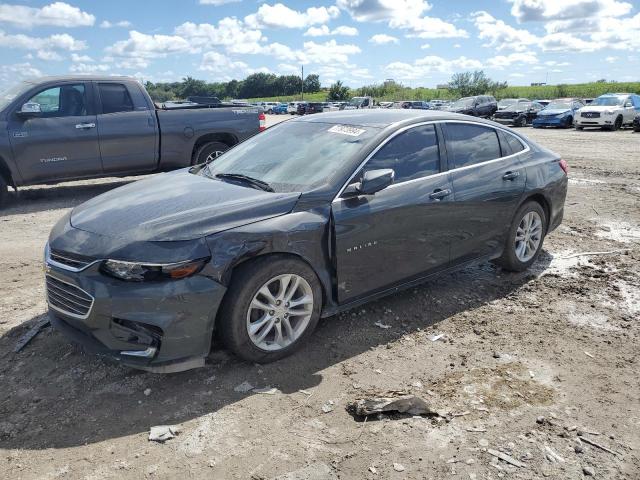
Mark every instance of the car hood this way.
pixel 177 206
pixel 554 111
pixel 599 108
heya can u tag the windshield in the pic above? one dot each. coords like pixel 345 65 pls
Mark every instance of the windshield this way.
pixel 8 94
pixel 356 101
pixel 505 102
pixel 463 103
pixel 607 101
pixel 518 106
pixel 559 106
pixel 294 156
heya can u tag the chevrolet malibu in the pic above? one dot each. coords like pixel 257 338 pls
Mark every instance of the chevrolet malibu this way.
pixel 258 245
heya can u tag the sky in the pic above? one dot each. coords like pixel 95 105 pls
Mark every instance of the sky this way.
pixel 416 42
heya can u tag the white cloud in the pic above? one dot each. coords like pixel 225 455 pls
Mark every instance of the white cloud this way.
pixel 81 58
pixel 424 46
pixel 564 42
pixel 501 36
pixel 382 39
pixel 86 68
pixel 383 10
pixel 611 59
pixel 148 46
pixel 323 31
pixel 281 16
pixel 502 61
pixel 544 10
pixel 57 14
pixel 423 67
pixel 9 74
pixel 345 30
pixel 218 62
pixel 49 56
pixel 428 27
pixel 121 23
pixel 327 53
pixel 517 75
pixel 58 41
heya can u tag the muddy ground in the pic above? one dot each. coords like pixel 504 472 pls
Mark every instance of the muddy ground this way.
pixel 538 366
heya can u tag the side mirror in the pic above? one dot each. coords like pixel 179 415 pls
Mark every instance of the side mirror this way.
pixel 372 182
pixel 30 109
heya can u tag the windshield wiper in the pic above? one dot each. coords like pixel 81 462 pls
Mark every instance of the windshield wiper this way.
pixel 247 179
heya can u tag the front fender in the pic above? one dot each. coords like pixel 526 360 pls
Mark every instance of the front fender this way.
pixel 305 234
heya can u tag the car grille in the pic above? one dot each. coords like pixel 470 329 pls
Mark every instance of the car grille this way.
pixel 590 114
pixel 67 298
pixel 72 260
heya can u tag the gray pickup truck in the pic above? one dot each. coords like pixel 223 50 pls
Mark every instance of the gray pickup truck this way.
pixel 69 128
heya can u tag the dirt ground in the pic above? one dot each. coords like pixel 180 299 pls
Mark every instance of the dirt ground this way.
pixel 540 366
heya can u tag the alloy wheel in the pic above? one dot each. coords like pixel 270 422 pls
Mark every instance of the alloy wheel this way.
pixel 279 312
pixel 528 236
pixel 213 155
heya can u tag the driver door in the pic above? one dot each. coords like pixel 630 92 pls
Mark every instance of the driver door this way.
pixel 401 232
pixel 62 140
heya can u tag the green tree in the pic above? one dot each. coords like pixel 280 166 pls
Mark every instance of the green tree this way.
pixel 312 83
pixel 338 92
pixel 190 86
pixel 466 84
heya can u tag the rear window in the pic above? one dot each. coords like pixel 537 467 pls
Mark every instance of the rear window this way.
pixel 471 144
pixel 115 98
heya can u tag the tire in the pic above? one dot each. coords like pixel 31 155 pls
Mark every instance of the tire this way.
pixel 521 121
pixel 511 260
pixel 237 313
pixel 569 123
pixel 208 151
pixel 270 112
pixel 617 125
pixel 636 129
pixel 4 191
pixel 579 127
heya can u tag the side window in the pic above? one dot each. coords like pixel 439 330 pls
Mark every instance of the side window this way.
pixel 115 98
pixel 411 154
pixel 62 101
pixel 514 144
pixel 471 144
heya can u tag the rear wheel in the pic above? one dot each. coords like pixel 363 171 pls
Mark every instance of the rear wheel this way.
pixel 209 152
pixel 271 308
pixel 525 238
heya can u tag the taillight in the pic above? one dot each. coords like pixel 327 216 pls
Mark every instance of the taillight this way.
pixel 564 166
pixel 263 122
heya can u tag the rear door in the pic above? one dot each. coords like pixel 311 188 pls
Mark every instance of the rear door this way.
pixel 401 232
pixel 488 182
pixel 62 141
pixel 127 128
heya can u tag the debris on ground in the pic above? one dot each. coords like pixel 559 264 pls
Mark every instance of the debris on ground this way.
pixel 398 467
pixel 147 392
pixel 31 333
pixel 506 458
pixel 162 433
pixel 588 471
pixel 597 445
pixel 266 390
pixel 315 471
pixel 402 404
pixel 328 406
pixel 382 325
pixel 244 387
pixel 435 338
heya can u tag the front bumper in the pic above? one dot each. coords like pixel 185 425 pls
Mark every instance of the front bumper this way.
pixel 602 121
pixel 549 121
pixel 504 120
pixel 163 326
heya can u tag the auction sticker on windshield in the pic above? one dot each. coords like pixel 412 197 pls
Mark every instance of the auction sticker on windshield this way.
pixel 347 130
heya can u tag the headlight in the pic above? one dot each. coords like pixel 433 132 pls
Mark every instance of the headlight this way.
pixel 141 272
pixel 609 112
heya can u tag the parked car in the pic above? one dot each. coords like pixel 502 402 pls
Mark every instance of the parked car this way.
pixel 544 103
pixel 519 114
pixel 416 105
pixel 636 123
pixel 268 106
pixel 359 102
pixel 292 108
pixel 262 247
pixel 309 108
pixel 610 111
pixel 281 108
pixel 558 113
pixel 478 106
pixel 438 104
pixel 386 104
pixel 506 102
pixel 329 107
pixel 74 127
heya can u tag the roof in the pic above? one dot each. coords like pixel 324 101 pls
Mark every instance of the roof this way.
pixel 94 78
pixel 382 117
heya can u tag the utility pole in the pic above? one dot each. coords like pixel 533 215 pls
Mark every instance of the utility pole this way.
pixel 302 82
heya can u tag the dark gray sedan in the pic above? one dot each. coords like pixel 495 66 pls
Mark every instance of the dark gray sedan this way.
pixel 314 216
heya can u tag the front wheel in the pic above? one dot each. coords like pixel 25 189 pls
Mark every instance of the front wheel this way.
pixel 521 122
pixel 271 308
pixel 4 191
pixel 569 123
pixel 525 238
pixel 617 125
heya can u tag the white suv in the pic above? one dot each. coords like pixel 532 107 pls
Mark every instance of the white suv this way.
pixel 610 111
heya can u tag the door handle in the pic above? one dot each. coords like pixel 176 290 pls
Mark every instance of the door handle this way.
pixel 84 126
pixel 511 175
pixel 440 193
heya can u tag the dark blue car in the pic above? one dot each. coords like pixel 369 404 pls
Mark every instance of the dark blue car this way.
pixel 559 113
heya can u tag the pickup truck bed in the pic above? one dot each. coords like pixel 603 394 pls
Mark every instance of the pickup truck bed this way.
pixel 68 128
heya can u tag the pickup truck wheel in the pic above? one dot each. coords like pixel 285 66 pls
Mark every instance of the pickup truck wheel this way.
pixel 209 152
pixel 4 191
pixel 271 308
pixel 525 237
